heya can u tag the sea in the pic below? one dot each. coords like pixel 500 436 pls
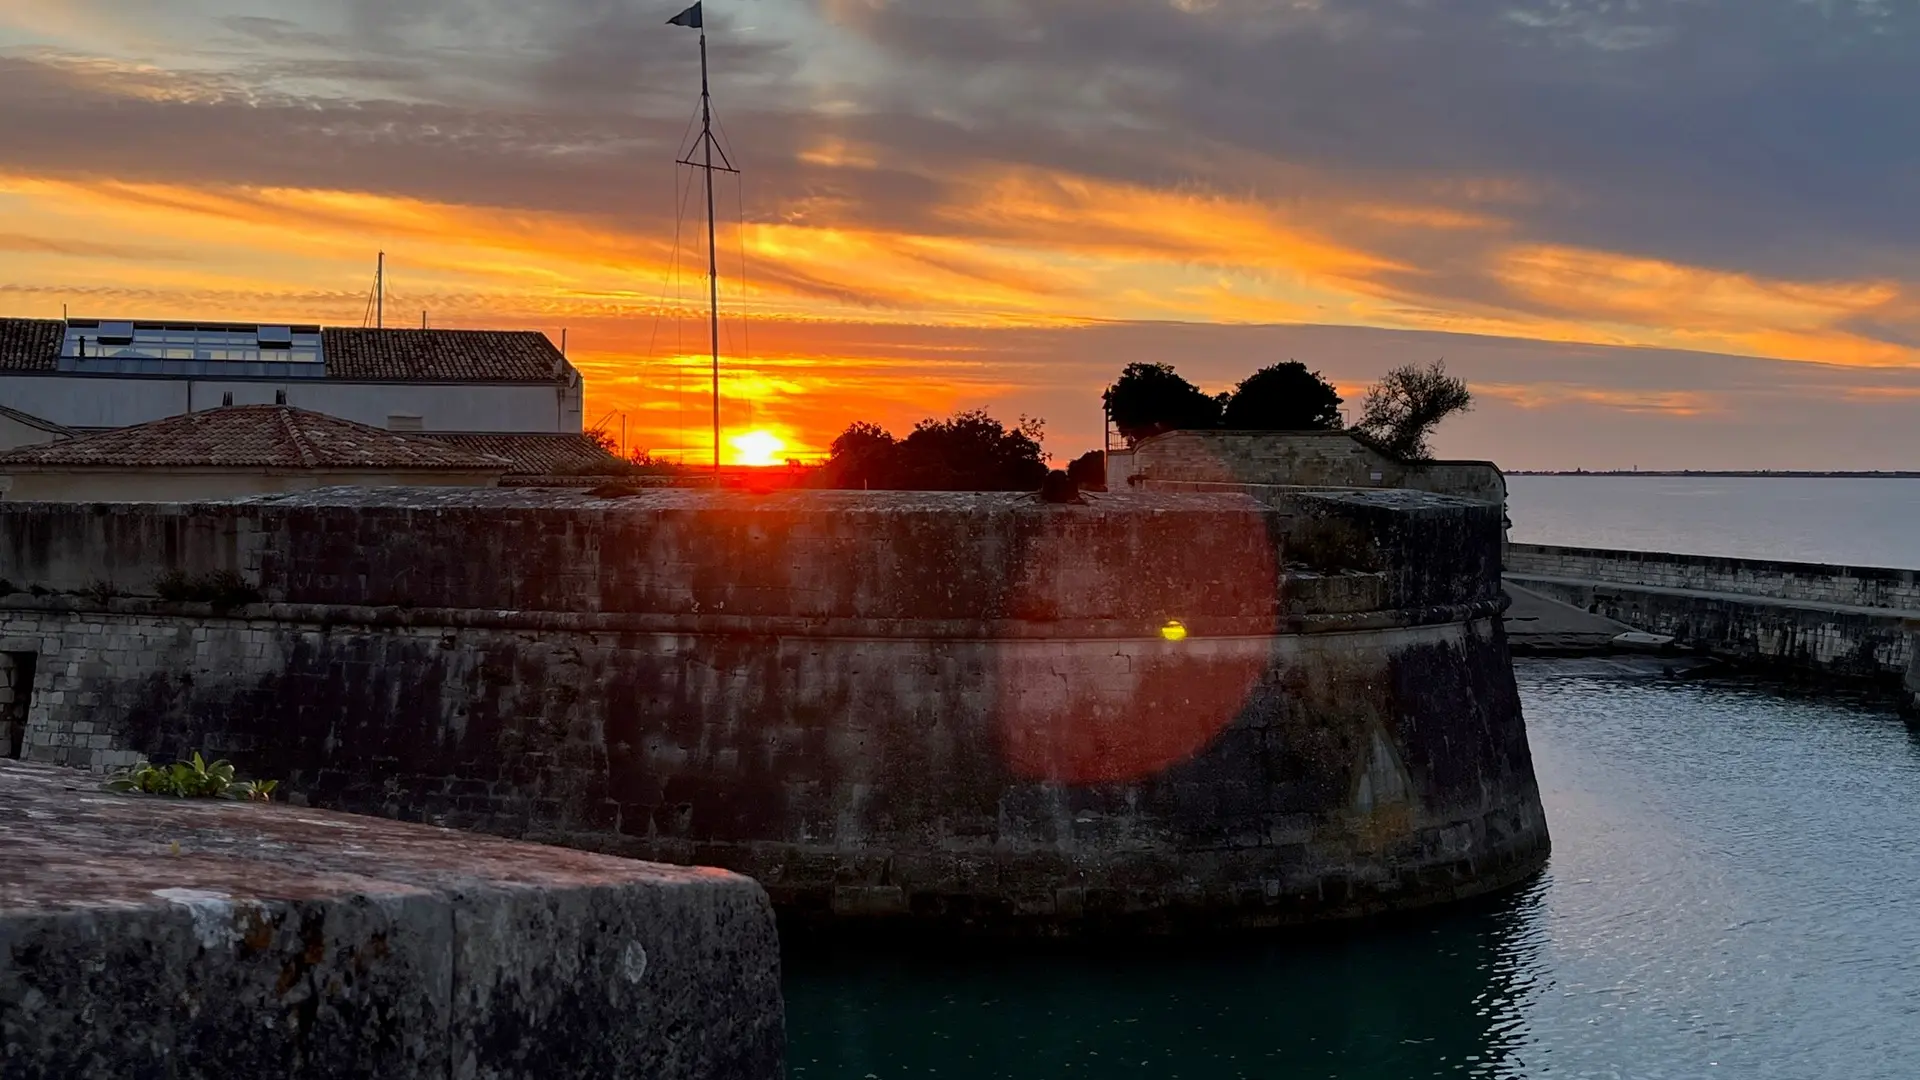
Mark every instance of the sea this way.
pixel 1844 521
pixel 1734 889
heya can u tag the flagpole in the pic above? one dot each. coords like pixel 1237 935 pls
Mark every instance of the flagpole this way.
pixel 694 17
pixel 713 254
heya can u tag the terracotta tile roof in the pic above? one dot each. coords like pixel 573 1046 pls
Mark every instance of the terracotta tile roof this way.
pixel 30 344
pixel 442 355
pixel 537 454
pixel 251 436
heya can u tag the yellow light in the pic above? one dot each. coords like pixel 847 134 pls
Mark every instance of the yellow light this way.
pixel 1174 630
pixel 757 448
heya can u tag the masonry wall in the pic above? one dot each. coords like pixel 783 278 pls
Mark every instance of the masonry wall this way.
pixel 1303 458
pixel 1788 581
pixel 1847 621
pixel 959 709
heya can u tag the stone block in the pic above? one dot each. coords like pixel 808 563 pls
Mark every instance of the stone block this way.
pixel 303 944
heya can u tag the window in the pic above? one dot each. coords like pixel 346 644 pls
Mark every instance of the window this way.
pixel 224 343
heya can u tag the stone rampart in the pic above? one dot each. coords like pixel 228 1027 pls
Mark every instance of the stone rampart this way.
pixel 967 708
pixel 1814 583
pixel 1315 459
pixel 164 937
pixel 1840 620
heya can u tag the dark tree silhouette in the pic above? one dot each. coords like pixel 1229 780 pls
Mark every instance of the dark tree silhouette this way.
pixel 969 451
pixel 1283 397
pixel 1089 471
pixel 1404 407
pixel 861 456
pixel 1148 399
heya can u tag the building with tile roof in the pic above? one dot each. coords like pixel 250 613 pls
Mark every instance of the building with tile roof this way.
pixel 25 429
pixel 94 374
pixel 544 460
pixel 231 451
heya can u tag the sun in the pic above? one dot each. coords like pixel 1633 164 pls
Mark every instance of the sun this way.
pixel 757 448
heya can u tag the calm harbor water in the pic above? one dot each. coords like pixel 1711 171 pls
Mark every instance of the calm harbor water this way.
pixel 1804 519
pixel 1732 893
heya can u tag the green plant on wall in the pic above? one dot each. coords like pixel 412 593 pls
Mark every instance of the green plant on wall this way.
pixel 221 588
pixel 191 779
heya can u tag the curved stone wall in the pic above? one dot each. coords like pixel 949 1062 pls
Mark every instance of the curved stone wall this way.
pixel 966 709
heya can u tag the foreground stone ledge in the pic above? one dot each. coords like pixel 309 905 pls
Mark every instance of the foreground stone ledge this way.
pixel 184 938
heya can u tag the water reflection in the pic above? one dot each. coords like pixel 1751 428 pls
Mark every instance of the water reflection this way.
pixel 1732 893
pixel 1427 999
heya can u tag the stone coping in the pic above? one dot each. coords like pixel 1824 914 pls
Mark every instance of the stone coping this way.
pixel 1198 496
pixel 137 932
pixel 1724 563
pixel 766 625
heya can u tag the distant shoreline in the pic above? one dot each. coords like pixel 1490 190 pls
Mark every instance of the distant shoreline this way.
pixel 1775 474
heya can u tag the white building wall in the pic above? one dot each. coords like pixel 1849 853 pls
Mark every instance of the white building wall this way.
pixel 189 485
pixel 103 401
pixel 14 434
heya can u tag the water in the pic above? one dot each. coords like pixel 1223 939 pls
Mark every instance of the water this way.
pixel 1848 522
pixel 1733 892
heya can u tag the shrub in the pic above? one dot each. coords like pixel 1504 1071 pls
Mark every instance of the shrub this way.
pixel 221 588
pixel 192 779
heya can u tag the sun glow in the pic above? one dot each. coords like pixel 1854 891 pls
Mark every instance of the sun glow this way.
pixel 757 448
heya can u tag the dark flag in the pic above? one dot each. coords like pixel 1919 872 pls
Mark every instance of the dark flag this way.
pixel 689 17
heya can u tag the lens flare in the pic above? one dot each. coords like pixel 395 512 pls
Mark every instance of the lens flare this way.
pixel 1175 630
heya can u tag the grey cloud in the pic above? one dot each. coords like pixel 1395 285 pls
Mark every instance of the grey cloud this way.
pixel 1765 136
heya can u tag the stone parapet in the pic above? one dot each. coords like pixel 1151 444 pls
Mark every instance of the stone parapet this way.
pixel 1161 710
pixel 166 937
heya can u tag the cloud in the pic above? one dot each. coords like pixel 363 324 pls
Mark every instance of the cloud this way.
pixel 965 201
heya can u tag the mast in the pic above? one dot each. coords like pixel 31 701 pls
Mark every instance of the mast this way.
pixel 713 251
pixel 380 291
pixel 692 17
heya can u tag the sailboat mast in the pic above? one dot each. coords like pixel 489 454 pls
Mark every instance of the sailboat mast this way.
pixel 713 253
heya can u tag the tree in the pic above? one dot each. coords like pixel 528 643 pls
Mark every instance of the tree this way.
pixel 1283 397
pixel 1148 399
pixel 861 456
pixel 1089 470
pixel 1404 407
pixel 969 451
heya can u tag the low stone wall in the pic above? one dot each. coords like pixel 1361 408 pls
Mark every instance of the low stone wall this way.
pixel 971 710
pixel 167 937
pixel 1845 621
pixel 1816 583
pixel 1319 459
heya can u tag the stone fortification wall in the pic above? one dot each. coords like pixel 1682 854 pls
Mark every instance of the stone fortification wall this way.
pixel 957 707
pixel 162 937
pixel 1842 620
pixel 1813 583
pixel 1323 459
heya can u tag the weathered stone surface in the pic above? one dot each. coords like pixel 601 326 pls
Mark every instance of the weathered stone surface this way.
pixel 953 709
pixel 1846 621
pixel 146 937
pixel 1332 459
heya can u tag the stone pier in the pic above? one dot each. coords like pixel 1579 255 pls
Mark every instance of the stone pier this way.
pixel 165 938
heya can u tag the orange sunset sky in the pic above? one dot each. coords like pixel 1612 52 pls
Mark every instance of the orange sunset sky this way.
pixel 1661 234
